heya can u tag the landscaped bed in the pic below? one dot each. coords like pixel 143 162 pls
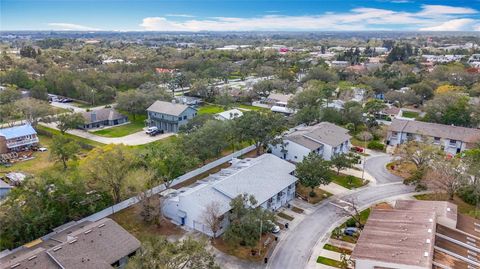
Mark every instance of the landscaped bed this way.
pixel 304 193
pixel 337 249
pixel 285 216
pixel 245 253
pixel 401 169
pixel 347 238
pixel 329 262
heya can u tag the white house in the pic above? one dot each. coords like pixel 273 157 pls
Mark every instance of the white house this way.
pixel 268 178
pixel 229 114
pixel 325 139
pixel 452 139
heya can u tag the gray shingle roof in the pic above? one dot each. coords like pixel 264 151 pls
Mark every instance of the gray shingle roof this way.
pixel 102 115
pixel 322 133
pixel 468 135
pixel 167 108
pixel 96 245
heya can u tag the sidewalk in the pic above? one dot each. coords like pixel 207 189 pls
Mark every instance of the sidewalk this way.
pixel 334 188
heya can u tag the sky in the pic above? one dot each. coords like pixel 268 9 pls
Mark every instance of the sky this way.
pixel 240 15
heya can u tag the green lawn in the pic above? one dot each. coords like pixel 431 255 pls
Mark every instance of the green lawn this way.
pixel 74 137
pixel 357 143
pixel 337 249
pixel 210 109
pixel 285 216
pixel 343 181
pixel 328 261
pixel 254 108
pixel 353 239
pixel 409 114
pixel 134 126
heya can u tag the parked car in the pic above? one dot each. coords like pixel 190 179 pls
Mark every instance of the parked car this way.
pixel 275 227
pixel 350 231
pixel 42 149
pixel 151 129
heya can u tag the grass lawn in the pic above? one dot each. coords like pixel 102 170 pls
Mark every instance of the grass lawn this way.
pixel 463 208
pixel 74 137
pixel 410 114
pixel 210 109
pixel 337 249
pixel 304 192
pixel 297 210
pixel 343 181
pixel 254 108
pixel 358 143
pixel 352 239
pixel 401 169
pixel 328 261
pixel 134 126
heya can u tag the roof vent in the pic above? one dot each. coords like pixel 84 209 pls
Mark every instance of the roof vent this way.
pixel 31 258
pixel 431 220
pixel 87 232
pixel 101 225
pixel 425 254
pixel 428 241
pixel 15 265
pixel 73 241
pixel 57 248
pixel 448 209
pixel 430 230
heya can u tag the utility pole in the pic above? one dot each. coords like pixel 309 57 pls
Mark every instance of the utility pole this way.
pixel 260 240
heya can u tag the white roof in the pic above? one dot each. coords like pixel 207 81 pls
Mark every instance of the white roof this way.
pixel 230 114
pixel 262 177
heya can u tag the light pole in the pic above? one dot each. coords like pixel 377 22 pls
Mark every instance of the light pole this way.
pixel 260 240
pixel 364 158
pixel 93 97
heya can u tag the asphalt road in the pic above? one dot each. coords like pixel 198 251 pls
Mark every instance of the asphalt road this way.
pixel 295 249
pixel 376 166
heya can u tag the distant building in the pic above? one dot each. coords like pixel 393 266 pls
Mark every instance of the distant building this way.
pixel 451 139
pixel 17 138
pixel 325 139
pixel 229 114
pixel 102 244
pixel 4 189
pixel 418 235
pixel 278 102
pixel 102 117
pixel 169 116
pixel 268 178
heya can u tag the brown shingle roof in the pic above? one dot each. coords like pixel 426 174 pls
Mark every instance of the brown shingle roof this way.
pixel 468 135
pixel 399 237
pixel 96 245
pixel 441 208
pixel 102 115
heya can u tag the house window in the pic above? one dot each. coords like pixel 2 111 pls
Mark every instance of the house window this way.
pixel 453 142
pixel 184 117
pixel 436 140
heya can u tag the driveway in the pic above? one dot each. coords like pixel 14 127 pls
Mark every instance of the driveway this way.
pixel 376 166
pixel 135 139
pixel 295 248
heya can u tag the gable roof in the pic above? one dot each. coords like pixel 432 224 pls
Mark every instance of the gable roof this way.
pixel 95 245
pixel 468 135
pixel 278 97
pixel 230 114
pixel 17 131
pixel 313 137
pixel 103 114
pixel 168 108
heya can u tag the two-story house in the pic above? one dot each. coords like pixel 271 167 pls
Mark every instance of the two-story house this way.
pixel 169 116
pixel 452 139
pixel 325 138
pixel 17 138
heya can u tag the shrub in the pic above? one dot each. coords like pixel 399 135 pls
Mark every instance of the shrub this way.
pixel 351 223
pixel 376 145
pixel 469 195
pixel 364 136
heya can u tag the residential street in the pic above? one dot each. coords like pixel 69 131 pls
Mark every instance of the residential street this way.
pixel 295 249
pixel 376 166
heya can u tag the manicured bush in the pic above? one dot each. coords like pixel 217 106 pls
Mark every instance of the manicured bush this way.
pixel 469 195
pixel 375 145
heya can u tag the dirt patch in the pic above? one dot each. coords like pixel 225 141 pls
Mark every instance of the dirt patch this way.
pixel 304 194
pixel 261 251
pixel 401 169
pixel 383 206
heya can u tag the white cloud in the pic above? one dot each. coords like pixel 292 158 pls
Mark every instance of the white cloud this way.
pixel 429 17
pixel 71 27
pixel 180 15
pixel 452 25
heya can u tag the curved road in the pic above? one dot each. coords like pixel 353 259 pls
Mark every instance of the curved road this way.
pixel 295 249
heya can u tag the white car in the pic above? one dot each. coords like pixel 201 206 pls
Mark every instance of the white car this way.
pixel 275 229
pixel 42 149
pixel 151 130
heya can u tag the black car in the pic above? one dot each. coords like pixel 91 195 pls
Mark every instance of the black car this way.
pixel 155 132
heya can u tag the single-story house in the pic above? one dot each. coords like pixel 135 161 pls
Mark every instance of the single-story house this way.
pixel 325 138
pixel 102 117
pixel 17 138
pixel 229 114
pixel 278 102
pixel 168 116
pixel 100 244
pixel 452 139
pixel 268 178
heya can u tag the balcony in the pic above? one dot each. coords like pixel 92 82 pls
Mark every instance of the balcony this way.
pixel 21 143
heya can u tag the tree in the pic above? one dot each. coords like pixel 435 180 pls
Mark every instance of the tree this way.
pixel 402 98
pixel 374 106
pixel 424 90
pixel 159 253
pixel 343 161
pixel 419 153
pixel 445 176
pixel 247 221
pixel 208 141
pixel 352 210
pixel 64 149
pixel 133 102
pixel 451 108
pixel 9 95
pixel 168 161
pixel 313 171
pixel 260 127
pixel 39 91
pixel 111 168
pixel 212 217
pixel 33 110
pixel 69 121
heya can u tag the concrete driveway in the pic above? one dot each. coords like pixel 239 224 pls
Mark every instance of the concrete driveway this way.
pixel 135 139
pixel 376 166
pixel 295 248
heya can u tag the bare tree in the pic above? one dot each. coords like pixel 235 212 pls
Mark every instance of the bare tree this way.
pixel 351 209
pixel 445 176
pixel 418 153
pixel 212 217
